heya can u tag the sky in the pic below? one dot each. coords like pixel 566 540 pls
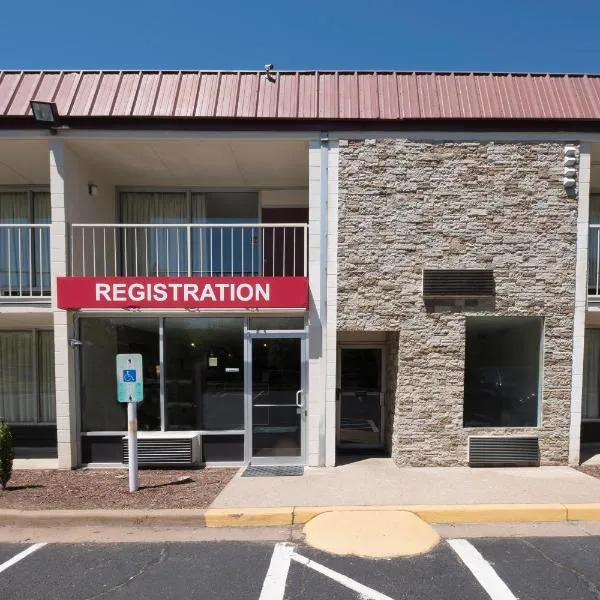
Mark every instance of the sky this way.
pixel 449 35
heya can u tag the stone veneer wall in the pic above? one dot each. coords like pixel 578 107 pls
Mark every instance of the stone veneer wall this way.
pixel 406 205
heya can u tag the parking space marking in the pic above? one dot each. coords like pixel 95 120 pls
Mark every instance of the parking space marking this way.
pixel 365 592
pixel 274 583
pixel 482 570
pixel 17 557
pixel 276 578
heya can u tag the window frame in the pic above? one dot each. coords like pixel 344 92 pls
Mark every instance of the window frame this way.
pixel 540 386
pixel 35 363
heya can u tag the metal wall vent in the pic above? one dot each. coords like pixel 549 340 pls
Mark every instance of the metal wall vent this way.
pixel 504 452
pixel 458 282
pixel 167 451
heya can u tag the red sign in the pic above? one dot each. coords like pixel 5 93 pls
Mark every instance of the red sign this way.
pixel 182 292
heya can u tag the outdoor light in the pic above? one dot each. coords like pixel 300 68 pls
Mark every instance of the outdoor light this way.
pixel 92 190
pixel 44 112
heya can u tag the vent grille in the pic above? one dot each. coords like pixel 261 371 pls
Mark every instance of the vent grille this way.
pixel 167 451
pixel 458 282
pixel 504 452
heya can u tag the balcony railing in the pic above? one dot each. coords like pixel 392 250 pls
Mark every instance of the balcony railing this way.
pixel 193 250
pixel 594 260
pixel 24 261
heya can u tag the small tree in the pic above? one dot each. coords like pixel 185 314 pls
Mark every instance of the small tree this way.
pixel 7 454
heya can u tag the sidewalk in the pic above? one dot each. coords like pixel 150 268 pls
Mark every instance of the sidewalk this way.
pixel 379 482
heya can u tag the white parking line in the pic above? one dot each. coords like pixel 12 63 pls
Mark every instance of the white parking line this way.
pixel 365 592
pixel 17 557
pixel 274 583
pixel 482 570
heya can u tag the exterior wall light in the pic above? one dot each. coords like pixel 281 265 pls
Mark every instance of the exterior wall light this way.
pixel 92 190
pixel 46 114
pixel 570 167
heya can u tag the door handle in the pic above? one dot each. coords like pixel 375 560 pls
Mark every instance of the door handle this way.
pixel 298 400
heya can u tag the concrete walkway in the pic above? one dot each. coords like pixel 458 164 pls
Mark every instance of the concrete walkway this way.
pixel 377 481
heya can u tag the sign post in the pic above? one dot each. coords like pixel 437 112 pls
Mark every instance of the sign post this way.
pixel 130 389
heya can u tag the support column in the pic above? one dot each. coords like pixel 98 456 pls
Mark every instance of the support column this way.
pixel 322 248
pixel 316 363
pixel 331 333
pixel 64 359
pixel 583 210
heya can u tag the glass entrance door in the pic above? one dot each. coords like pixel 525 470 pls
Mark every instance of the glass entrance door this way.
pixel 360 398
pixel 277 400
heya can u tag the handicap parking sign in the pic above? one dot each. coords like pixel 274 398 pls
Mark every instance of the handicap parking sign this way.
pixel 130 385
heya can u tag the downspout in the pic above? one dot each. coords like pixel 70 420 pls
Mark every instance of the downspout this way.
pixel 323 242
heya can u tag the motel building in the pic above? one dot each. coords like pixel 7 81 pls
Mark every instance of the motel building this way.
pixel 309 263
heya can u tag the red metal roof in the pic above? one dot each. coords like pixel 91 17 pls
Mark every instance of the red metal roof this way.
pixel 304 95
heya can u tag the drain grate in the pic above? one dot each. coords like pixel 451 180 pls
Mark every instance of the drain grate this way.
pixel 280 471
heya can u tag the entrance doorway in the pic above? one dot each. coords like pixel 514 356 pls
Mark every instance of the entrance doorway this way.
pixel 360 398
pixel 276 399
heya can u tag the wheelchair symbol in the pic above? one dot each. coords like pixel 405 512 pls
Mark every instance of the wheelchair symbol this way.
pixel 129 376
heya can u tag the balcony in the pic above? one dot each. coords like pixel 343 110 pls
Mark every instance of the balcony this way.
pixel 594 262
pixel 189 250
pixel 24 262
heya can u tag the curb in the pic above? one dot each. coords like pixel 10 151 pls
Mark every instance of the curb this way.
pixel 284 516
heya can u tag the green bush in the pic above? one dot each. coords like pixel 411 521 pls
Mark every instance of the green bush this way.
pixel 7 454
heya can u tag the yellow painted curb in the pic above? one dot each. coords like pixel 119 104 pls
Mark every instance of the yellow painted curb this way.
pixel 477 513
pixel 583 512
pixel 249 517
pixel 491 513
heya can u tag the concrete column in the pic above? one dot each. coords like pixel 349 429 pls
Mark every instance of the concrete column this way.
pixel 61 170
pixel 580 301
pixel 316 363
pixel 322 367
pixel 331 332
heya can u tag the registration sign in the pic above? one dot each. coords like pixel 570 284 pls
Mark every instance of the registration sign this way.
pixel 130 379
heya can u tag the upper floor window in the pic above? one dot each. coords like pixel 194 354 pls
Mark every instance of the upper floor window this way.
pixel 24 243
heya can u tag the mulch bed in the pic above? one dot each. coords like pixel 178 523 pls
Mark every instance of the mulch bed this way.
pixel 108 489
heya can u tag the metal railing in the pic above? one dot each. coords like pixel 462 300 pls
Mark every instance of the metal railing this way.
pixel 594 260
pixel 24 261
pixel 192 250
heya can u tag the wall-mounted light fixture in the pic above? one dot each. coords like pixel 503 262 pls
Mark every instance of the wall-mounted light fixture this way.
pixel 570 167
pixel 92 190
pixel 46 114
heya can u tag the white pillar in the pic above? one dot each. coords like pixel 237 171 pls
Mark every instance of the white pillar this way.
pixel 331 332
pixel 316 363
pixel 61 170
pixel 322 269
pixel 580 301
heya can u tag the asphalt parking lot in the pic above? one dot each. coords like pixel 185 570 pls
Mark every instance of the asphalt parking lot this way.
pixel 524 568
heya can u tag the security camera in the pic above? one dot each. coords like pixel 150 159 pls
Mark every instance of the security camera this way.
pixel 268 67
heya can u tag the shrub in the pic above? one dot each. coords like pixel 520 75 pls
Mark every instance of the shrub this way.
pixel 7 454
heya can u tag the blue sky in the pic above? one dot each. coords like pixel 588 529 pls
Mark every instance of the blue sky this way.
pixel 511 35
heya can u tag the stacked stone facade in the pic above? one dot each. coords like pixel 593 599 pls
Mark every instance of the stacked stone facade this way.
pixel 409 205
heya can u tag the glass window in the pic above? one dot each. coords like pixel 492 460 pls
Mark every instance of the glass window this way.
pixel 25 251
pixel 103 339
pixel 275 323
pixel 22 398
pixel 591 375
pixel 204 373
pixel 502 372
pixel 233 250
pixel 45 357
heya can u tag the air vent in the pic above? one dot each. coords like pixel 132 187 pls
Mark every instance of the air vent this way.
pixel 458 282
pixel 504 452
pixel 164 451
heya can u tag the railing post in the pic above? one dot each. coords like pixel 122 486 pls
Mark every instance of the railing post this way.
pixel 189 250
